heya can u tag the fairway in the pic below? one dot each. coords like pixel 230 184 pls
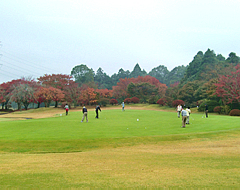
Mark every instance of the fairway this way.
pixel 130 149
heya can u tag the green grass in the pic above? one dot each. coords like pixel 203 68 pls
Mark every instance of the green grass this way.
pixel 114 129
pixel 117 151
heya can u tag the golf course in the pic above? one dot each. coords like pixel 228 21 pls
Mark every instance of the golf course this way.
pixel 141 147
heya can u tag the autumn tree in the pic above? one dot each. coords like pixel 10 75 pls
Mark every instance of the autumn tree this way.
pixel 228 87
pixel 135 100
pixel 175 103
pixel 142 91
pixel 43 95
pixel 88 96
pixel 2 99
pixel 113 101
pixel 57 95
pixel 62 82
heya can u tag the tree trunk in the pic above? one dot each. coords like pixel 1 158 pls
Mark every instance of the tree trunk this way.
pixel 56 104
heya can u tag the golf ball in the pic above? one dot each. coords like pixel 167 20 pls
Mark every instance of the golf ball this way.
pixel 137 119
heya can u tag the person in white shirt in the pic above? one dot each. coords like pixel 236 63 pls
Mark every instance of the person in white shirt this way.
pixel 179 109
pixel 188 114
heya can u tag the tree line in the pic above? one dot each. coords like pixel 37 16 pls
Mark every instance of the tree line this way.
pixel 208 79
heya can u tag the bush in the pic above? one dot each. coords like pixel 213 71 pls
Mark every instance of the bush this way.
pixel 211 105
pixel 127 100
pixel 103 101
pixel 217 109
pixel 234 112
pixel 162 101
pixel 134 100
pixel 225 109
pixel 113 101
pixel 175 103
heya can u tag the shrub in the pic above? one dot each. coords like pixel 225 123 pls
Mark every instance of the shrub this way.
pixel 103 101
pixel 162 101
pixel 211 105
pixel 175 103
pixel 127 100
pixel 225 109
pixel 113 101
pixel 234 112
pixel 134 100
pixel 217 109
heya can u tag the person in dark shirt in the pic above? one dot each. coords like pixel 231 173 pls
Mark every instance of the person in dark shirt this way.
pixel 97 108
pixel 206 110
pixel 84 110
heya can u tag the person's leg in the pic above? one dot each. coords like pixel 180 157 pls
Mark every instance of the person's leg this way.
pixel 184 121
pixel 187 122
pixel 83 117
pixel 86 117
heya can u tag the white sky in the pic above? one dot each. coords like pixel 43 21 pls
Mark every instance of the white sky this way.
pixel 53 36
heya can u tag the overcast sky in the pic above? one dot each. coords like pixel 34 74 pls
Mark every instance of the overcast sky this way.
pixel 53 36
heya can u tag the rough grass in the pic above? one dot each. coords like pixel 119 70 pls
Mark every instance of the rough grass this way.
pixel 120 152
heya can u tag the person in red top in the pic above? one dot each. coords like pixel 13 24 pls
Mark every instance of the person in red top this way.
pixel 66 108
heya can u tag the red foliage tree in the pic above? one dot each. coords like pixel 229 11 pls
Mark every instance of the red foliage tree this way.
pixel 228 87
pixel 113 101
pixel 127 100
pixel 162 101
pixel 120 91
pixel 43 95
pixel 135 100
pixel 175 103
pixel 88 96
pixel 62 82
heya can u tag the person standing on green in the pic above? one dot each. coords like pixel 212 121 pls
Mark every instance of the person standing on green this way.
pixel 184 118
pixel 188 115
pixel 123 106
pixel 206 110
pixel 84 110
pixel 97 108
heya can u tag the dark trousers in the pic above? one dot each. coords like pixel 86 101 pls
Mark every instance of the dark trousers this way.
pixel 96 114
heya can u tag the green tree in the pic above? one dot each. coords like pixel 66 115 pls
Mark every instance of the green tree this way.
pixel 233 58
pixel 175 75
pixel 186 93
pixel 82 74
pixel 161 73
pixel 137 71
pixel 102 79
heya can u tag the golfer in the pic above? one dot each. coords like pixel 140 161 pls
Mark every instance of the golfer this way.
pixel 123 106
pixel 179 109
pixel 206 110
pixel 97 108
pixel 66 108
pixel 84 110
pixel 184 118
pixel 188 115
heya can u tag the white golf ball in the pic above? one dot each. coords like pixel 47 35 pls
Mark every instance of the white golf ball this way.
pixel 137 119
